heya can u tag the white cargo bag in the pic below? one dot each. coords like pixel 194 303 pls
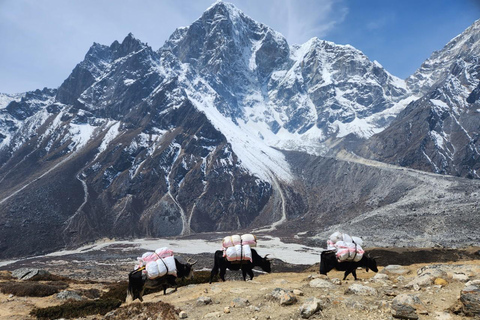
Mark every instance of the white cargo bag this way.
pixel 249 239
pixel 348 251
pixel 167 266
pixel 231 241
pixel 238 253
pixel 161 267
pixel 164 252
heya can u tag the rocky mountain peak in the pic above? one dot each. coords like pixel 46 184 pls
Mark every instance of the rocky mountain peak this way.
pixel 129 45
pixel 462 53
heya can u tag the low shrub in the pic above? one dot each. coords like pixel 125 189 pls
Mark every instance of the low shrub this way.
pixel 103 304
pixel 144 311
pixel 5 275
pixel 32 289
pixel 91 293
pixel 116 291
pixel 76 309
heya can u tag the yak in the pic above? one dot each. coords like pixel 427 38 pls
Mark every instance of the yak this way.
pixel 138 281
pixel 328 261
pixel 221 263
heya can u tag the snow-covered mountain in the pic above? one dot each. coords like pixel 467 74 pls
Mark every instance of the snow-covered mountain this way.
pixel 439 132
pixel 290 97
pixel 220 129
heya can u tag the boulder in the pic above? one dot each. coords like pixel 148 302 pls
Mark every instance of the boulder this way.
pixel 470 298
pixel 407 306
pixel 29 273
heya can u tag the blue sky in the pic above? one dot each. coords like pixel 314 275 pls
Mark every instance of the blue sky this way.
pixel 42 41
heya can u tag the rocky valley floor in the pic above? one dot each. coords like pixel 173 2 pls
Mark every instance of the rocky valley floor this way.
pixel 420 290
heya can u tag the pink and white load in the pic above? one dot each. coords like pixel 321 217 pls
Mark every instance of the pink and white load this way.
pixel 346 248
pixel 238 248
pixel 244 239
pixel 158 264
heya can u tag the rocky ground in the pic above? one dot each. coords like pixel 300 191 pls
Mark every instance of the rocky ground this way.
pixel 434 290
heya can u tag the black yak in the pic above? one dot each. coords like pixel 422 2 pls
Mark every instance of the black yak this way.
pixel 138 281
pixel 221 263
pixel 328 261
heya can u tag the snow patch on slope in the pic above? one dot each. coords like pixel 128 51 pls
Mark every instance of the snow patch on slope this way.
pixel 254 154
pixel 6 98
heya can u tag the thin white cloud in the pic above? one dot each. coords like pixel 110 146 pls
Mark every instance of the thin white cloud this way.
pixel 297 20
pixel 44 40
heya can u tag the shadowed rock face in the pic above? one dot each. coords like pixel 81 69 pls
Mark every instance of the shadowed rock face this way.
pixel 144 143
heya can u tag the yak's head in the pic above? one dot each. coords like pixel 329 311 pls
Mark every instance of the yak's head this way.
pixel 187 268
pixel 136 285
pixel 266 264
pixel 371 263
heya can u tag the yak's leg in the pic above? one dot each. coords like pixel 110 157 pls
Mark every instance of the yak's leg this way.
pixel 223 271
pixel 214 272
pixel 244 273
pixel 250 273
pixel 347 273
pixel 354 272
pixel 173 282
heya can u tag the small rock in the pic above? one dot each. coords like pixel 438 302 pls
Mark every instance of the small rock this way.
pixel 298 292
pixel 321 283
pixel 69 295
pixel 460 277
pixel 213 315
pixel 361 290
pixel 435 270
pixel 240 303
pixel 287 299
pixel 226 310
pixel 183 315
pixel 336 281
pixel 380 277
pixel 423 280
pixel 473 283
pixel 204 301
pixel 395 269
pixel 390 293
pixel 310 307
pixel 440 282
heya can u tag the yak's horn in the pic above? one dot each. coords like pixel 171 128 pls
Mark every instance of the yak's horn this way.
pixel 191 263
